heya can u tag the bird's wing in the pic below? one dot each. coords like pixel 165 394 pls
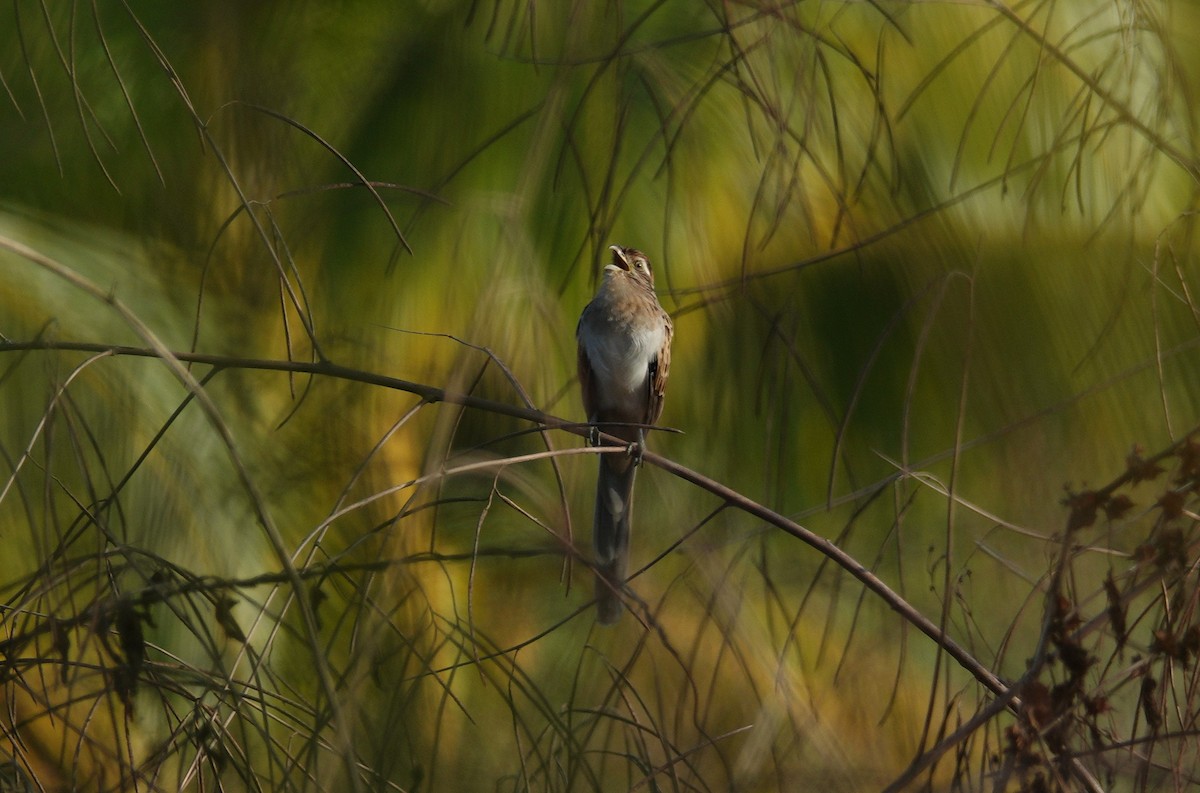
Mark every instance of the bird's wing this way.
pixel 660 369
pixel 586 380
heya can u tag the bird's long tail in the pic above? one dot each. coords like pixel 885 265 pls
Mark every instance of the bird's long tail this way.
pixel 610 534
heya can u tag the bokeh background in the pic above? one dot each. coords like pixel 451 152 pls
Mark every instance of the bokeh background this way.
pixel 931 267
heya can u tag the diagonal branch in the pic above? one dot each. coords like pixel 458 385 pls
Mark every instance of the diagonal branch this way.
pixel 731 497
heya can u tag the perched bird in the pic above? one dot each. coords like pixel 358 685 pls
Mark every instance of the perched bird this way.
pixel 624 340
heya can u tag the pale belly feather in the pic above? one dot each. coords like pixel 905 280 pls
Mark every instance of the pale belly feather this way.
pixel 622 362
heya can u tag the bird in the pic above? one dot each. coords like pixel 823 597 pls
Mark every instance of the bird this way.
pixel 624 340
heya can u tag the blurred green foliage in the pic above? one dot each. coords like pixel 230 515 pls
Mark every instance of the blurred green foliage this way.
pixel 908 247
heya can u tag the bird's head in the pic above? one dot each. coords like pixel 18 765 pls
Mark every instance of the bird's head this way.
pixel 633 262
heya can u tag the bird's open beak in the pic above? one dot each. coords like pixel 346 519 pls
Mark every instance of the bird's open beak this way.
pixel 619 257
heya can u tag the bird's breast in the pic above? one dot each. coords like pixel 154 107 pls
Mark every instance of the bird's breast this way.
pixel 621 344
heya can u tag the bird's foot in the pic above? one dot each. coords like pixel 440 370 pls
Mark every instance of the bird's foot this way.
pixel 593 435
pixel 636 449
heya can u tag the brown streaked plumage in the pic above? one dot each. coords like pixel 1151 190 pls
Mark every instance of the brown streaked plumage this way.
pixel 624 340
